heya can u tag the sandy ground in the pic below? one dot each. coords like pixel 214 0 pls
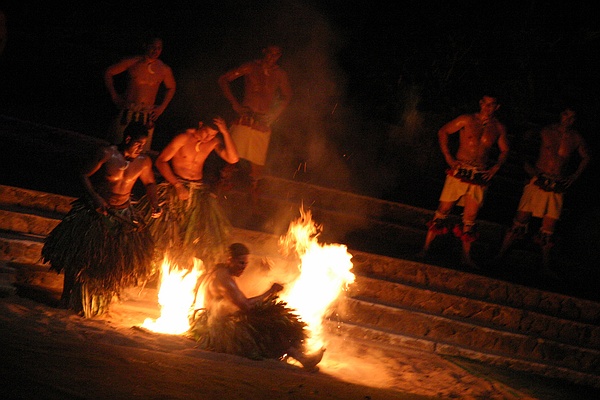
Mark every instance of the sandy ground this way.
pixel 50 353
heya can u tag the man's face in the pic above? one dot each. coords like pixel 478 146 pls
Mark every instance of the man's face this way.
pixel 272 55
pixel 238 264
pixel 206 133
pixel 567 118
pixel 154 49
pixel 135 147
pixel 488 106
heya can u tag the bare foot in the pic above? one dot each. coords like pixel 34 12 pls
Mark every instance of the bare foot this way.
pixel 310 361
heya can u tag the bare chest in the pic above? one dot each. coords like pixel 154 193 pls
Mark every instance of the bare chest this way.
pixel 147 73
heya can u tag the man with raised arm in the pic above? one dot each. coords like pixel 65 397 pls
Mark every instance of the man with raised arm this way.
pixel 193 223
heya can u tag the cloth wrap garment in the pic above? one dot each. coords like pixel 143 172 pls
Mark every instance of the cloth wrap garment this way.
pixel 99 254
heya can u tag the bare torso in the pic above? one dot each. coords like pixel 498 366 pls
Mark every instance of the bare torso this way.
pixel 217 294
pixel 117 176
pixel 260 86
pixel 188 161
pixel 556 149
pixel 476 140
pixel 145 79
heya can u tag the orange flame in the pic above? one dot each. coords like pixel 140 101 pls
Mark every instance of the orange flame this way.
pixel 324 274
pixel 177 298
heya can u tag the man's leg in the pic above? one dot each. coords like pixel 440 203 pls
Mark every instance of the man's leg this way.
pixel 516 232
pixel 545 240
pixel 256 172
pixel 468 234
pixel 437 226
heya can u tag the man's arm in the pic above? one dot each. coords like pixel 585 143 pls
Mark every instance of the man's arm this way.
pixel 93 166
pixel 228 152
pixel 164 167
pixel 585 157
pixel 237 296
pixel 445 131
pixel 170 86
pixel 224 81
pixel 149 181
pixel 113 70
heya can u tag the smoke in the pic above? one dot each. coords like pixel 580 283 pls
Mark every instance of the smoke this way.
pixel 305 141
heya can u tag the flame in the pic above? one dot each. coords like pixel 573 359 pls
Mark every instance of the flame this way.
pixel 177 297
pixel 324 274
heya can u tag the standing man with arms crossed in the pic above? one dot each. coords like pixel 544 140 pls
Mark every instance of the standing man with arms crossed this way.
pixel 145 75
pixel 469 174
pixel 543 195
pixel 267 93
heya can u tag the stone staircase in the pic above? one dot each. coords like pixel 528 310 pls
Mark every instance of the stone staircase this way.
pixel 396 300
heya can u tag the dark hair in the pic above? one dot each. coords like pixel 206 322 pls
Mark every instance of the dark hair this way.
pixel 209 121
pixel 136 131
pixel 238 249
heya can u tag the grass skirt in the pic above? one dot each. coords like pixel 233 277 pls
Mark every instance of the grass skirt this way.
pixel 196 227
pixel 266 331
pixel 99 255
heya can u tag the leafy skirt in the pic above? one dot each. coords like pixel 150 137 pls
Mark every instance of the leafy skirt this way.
pixel 265 331
pixel 196 227
pixel 99 255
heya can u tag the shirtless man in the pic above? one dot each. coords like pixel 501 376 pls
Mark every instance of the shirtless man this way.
pixel 265 322
pixel 101 244
pixel 202 229
pixel 543 195
pixel 267 93
pixel 469 174
pixel 146 73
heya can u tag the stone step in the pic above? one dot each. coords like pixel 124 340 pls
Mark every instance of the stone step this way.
pixel 392 297
pixel 390 339
pixel 369 264
pixel 477 287
pixel 481 312
pixel 468 335
pixel 361 208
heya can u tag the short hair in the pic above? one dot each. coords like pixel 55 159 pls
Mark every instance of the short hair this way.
pixel 209 121
pixel 135 130
pixel 238 250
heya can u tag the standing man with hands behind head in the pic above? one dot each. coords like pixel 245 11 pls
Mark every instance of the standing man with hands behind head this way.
pixel 193 223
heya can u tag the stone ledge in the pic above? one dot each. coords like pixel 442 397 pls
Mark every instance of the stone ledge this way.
pixel 488 314
pixel 468 335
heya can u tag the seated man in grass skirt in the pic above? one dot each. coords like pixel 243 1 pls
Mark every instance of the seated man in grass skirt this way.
pixel 100 244
pixel 193 223
pixel 258 327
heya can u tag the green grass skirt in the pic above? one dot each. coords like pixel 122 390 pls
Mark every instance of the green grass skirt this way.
pixel 99 255
pixel 266 331
pixel 196 227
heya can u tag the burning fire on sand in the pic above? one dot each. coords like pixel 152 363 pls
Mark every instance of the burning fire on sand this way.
pixel 324 272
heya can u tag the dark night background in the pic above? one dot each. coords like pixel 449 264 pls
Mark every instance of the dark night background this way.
pixel 373 81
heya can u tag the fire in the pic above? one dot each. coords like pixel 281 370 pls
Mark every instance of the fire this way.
pixel 324 274
pixel 177 298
